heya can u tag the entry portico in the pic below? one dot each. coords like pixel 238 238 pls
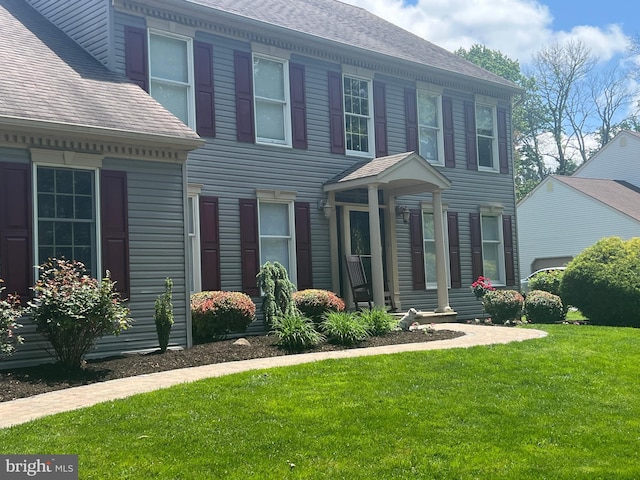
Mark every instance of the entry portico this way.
pixel 396 175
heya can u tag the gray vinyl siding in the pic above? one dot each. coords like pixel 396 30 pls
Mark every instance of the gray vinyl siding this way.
pixel 85 21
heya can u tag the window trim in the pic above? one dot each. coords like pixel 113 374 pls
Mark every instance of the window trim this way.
pixel 96 207
pixel 287 143
pixel 193 196
pixel 495 161
pixel 370 118
pixel 428 208
pixel 493 212
pixel 440 161
pixel 282 198
pixel 191 97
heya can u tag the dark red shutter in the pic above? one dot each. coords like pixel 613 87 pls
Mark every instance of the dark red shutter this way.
pixel 135 56
pixel 336 113
pixel 114 208
pixel 502 141
pixel 417 250
pixel 16 264
pixel 249 245
pixel 476 246
pixel 380 118
pixel 303 245
pixel 470 135
pixel 244 96
pixel 454 250
pixel 298 105
pixel 203 73
pixel 447 132
pixel 507 232
pixel 411 119
pixel 209 243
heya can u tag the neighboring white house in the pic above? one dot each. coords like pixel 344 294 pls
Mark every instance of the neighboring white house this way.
pixel 564 215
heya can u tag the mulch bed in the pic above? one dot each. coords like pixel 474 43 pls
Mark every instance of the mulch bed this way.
pixel 25 382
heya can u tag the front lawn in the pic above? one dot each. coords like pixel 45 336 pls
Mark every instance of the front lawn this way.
pixel 565 406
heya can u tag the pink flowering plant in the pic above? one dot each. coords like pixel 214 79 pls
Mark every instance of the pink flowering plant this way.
pixel 217 313
pixel 10 311
pixel 315 303
pixel 481 286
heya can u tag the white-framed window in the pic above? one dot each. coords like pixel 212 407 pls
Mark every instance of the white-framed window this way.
pixel 193 230
pixel 429 239
pixel 358 116
pixel 277 234
pixel 431 142
pixel 271 100
pixel 492 248
pixel 486 136
pixel 66 214
pixel 171 74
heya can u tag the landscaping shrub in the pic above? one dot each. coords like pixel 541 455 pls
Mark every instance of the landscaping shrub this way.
pixel 296 332
pixel 603 282
pixel 277 289
pixel 503 305
pixel 543 307
pixel 10 311
pixel 481 286
pixel 547 281
pixel 344 328
pixel 314 303
pixel 216 313
pixel 72 310
pixel 378 320
pixel 164 315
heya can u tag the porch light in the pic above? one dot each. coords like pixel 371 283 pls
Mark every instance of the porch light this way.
pixel 404 213
pixel 326 207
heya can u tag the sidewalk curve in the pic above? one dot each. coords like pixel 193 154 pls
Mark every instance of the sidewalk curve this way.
pixel 23 410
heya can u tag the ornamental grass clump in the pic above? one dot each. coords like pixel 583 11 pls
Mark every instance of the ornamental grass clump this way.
pixel 216 313
pixel 378 320
pixel 344 328
pixel 503 305
pixel 164 315
pixel 72 310
pixel 296 332
pixel 543 307
pixel 10 311
pixel 315 303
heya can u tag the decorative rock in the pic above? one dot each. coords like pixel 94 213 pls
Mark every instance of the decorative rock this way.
pixel 242 342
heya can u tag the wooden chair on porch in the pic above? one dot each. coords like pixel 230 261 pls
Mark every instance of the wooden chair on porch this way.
pixel 360 288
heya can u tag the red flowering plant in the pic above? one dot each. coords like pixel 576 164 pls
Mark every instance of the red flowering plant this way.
pixel 315 303
pixel 481 286
pixel 216 313
pixel 10 311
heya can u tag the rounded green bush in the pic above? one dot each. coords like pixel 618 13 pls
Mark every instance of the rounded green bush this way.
pixel 503 305
pixel 216 313
pixel 547 281
pixel 543 307
pixel 603 282
pixel 315 303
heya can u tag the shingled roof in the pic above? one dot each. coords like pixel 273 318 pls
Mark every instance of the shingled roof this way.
pixel 47 77
pixel 617 194
pixel 354 27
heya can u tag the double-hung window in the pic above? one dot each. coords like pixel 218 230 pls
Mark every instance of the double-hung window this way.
pixel 430 127
pixel 271 100
pixel 486 134
pixel 492 248
pixel 276 230
pixel 429 239
pixel 171 74
pixel 358 112
pixel 193 225
pixel 66 216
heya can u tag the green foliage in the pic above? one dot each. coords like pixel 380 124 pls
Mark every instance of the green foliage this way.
pixel 543 307
pixel 277 300
pixel 10 311
pixel 481 286
pixel 72 310
pixel 603 282
pixel 503 305
pixel 548 281
pixel 216 313
pixel 296 332
pixel 314 303
pixel 377 320
pixel 164 315
pixel 344 328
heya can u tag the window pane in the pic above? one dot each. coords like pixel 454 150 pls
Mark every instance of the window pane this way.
pixel 274 219
pixel 356 93
pixel 169 58
pixel 428 228
pixel 46 205
pixel 490 261
pixel 275 250
pixel 430 261
pixel 64 181
pixel 429 144
pixel 82 234
pixel 484 120
pixel 173 98
pixel 46 180
pixel 64 206
pixel 84 208
pixel 268 78
pixel 485 152
pixel 45 233
pixel 270 120
pixel 63 233
pixel 490 229
pixel 427 110
pixel 191 216
pixel 83 183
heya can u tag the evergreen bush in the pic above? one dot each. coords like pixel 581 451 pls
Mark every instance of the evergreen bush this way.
pixel 543 307
pixel 503 305
pixel 216 313
pixel 277 297
pixel 164 315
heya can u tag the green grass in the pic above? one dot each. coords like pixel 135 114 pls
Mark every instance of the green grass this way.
pixel 563 407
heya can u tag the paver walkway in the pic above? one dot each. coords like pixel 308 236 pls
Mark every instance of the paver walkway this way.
pixel 25 409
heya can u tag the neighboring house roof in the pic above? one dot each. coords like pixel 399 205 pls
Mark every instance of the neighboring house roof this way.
pixel 355 27
pixel 617 194
pixel 48 78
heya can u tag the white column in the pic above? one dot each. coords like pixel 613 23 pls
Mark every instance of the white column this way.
pixel 377 282
pixel 441 266
pixel 392 251
pixel 333 245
